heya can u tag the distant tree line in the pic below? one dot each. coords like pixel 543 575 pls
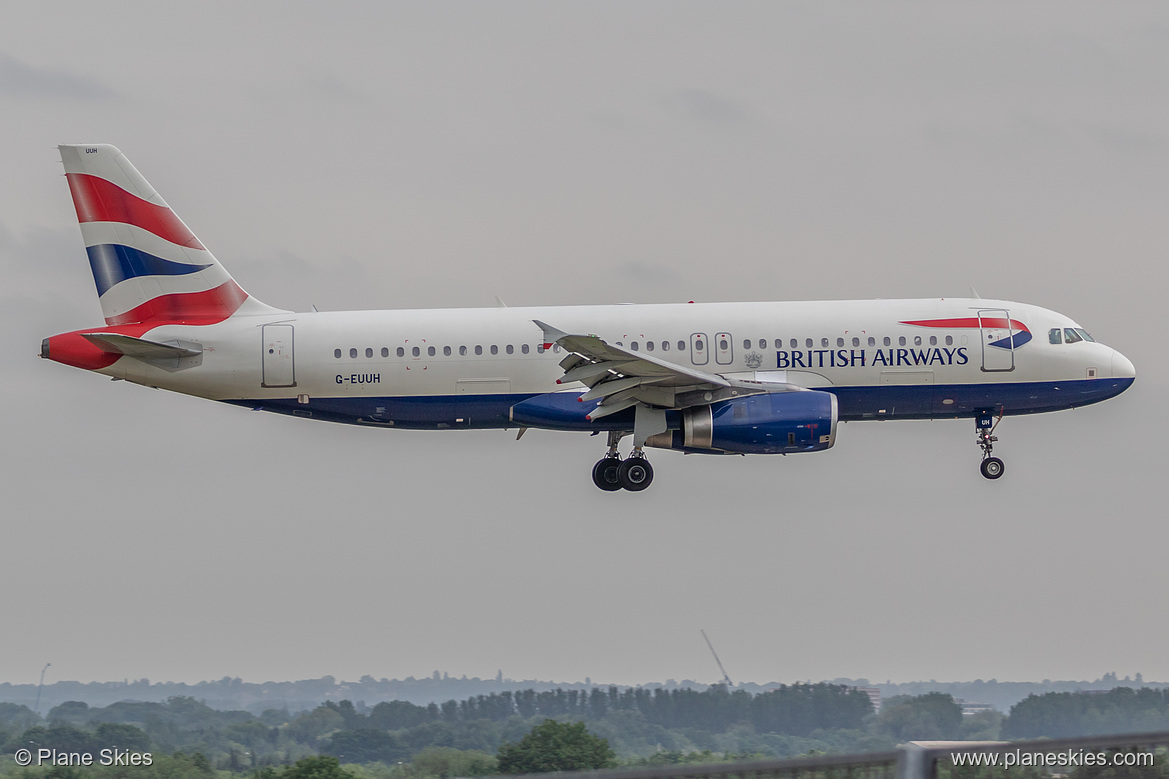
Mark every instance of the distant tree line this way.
pixel 798 709
pixel 463 737
pixel 1069 714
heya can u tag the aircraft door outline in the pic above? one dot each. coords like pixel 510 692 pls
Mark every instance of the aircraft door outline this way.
pixel 279 368
pixel 996 359
pixel 699 349
pixel 724 349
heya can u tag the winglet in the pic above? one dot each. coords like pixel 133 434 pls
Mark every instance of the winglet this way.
pixel 551 334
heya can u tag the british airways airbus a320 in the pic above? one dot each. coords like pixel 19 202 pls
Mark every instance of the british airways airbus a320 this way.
pixel 714 378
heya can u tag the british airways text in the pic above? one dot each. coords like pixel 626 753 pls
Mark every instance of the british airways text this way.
pixel 859 358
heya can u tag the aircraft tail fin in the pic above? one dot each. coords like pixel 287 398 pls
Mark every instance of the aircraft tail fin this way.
pixel 148 266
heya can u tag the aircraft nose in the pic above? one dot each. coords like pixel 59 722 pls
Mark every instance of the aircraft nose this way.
pixel 1122 367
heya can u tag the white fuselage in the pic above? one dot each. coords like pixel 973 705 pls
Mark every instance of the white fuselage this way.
pixel 343 366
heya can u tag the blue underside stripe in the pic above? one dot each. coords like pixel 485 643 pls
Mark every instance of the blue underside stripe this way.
pixel 113 263
pixel 431 412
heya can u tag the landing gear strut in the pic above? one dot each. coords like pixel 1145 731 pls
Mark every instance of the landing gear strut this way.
pixel 985 424
pixel 611 473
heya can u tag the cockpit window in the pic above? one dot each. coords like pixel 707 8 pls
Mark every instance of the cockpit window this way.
pixel 1071 335
pixel 1084 333
pixel 1055 335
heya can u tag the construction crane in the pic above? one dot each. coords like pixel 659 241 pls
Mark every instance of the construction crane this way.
pixel 726 679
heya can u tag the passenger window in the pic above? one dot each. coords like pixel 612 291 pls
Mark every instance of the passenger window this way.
pixel 1055 335
pixel 385 352
pixel 509 349
pixel 1071 336
pixel 681 346
pixel 901 341
pixel 556 348
pixel 430 351
pixel 633 345
pixel 401 352
pixel 856 341
pixel 524 348
pixel 446 351
pixel 368 352
pixel 722 344
pixel 839 342
pixel 917 340
pixel 539 348
pixel 886 341
pixel 949 340
pixel 762 343
pixel 649 346
pixel 494 349
pixel 462 351
pixel 808 342
pixel 337 353
pixel 665 346
pixel 872 341
pixel 353 353
pixel 824 343
pixel 478 350
pixel 933 340
pixel 746 343
pixel 796 343
pixel 416 351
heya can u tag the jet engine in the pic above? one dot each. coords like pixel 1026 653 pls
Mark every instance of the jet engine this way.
pixel 774 423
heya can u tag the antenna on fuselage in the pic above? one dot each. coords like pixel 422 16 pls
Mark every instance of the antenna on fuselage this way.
pixel 726 679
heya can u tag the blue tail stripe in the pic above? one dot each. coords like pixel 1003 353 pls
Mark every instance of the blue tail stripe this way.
pixel 113 263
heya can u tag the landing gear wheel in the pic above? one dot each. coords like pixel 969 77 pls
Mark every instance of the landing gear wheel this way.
pixel 992 467
pixel 605 474
pixel 635 474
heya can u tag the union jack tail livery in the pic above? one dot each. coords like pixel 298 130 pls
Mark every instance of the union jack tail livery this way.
pixel 148 266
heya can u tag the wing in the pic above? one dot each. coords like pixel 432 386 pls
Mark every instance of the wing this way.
pixel 622 378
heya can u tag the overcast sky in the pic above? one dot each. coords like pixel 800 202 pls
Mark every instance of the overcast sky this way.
pixel 388 155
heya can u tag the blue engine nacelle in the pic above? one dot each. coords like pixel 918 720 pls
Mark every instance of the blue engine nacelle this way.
pixel 775 423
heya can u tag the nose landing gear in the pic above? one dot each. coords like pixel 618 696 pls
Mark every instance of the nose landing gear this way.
pixel 611 473
pixel 985 424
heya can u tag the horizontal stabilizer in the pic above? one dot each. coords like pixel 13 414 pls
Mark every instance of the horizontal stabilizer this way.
pixel 114 343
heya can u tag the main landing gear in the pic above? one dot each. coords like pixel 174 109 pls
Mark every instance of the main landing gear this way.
pixel 985 424
pixel 611 473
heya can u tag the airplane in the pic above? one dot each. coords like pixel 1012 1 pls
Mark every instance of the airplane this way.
pixel 709 378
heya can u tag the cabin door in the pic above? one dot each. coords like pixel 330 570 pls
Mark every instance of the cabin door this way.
pixel 279 370
pixel 998 347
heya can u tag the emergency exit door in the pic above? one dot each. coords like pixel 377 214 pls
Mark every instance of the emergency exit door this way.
pixel 279 368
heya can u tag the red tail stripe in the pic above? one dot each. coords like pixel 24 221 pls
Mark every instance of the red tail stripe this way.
pixel 98 200
pixel 195 308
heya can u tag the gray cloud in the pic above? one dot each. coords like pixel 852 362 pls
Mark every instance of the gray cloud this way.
pixel 19 79
pixel 705 106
